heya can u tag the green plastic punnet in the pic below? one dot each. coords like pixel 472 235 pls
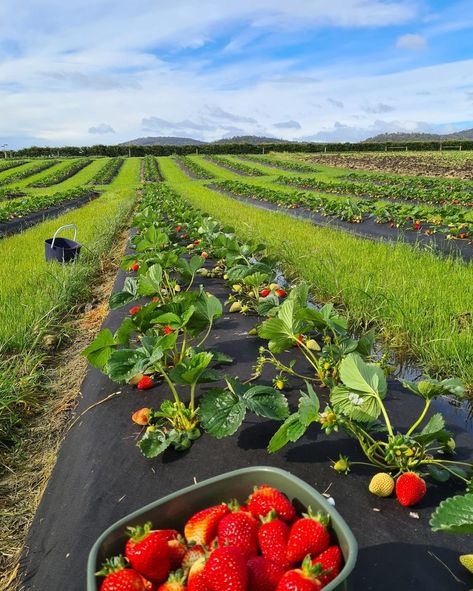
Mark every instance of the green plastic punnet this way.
pixel 172 512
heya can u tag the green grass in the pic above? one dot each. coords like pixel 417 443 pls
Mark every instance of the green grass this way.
pixel 420 303
pixel 36 297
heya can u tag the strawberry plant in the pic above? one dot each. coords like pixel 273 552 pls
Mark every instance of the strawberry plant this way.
pixel 108 171
pixel 68 169
pixel 357 404
pixel 151 170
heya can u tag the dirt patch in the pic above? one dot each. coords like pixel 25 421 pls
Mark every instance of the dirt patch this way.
pixel 27 469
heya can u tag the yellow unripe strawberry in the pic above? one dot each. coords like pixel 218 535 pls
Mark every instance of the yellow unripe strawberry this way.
pixel 236 307
pixel 177 287
pixel 466 560
pixel 313 345
pixel 236 287
pixel 203 272
pixel 244 309
pixel 225 276
pixel 279 384
pixel 381 485
pixel 190 246
pixel 253 332
pixel 135 379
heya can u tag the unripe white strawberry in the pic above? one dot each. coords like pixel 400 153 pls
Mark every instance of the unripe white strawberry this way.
pixel 381 485
pixel 466 560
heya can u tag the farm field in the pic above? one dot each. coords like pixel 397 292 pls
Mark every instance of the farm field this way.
pixel 278 309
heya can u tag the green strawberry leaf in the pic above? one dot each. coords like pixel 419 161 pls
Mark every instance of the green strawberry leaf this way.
pixel 128 294
pixel 454 515
pixel 101 349
pixel 291 430
pixel 438 473
pixel 266 402
pixel 309 406
pixel 221 412
pixel 123 364
pixel 155 442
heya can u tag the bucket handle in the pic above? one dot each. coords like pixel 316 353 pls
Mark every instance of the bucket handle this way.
pixel 63 228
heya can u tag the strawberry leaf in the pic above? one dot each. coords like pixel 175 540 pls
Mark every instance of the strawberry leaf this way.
pixel 128 294
pixel 454 515
pixel 221 412
pixel 101 349
pixel 266 402
pixel 291 430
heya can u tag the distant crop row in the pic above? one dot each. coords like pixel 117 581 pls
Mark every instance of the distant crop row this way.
pixel 151 170
pixel 31 203
pixel 237 165
pixel 10 193
pixel 281 163
pixel 404 189
pixel 447 220
pixel 7 164
pixel 195 169
pixel 69 169
pixel 108 172
pixel 27 172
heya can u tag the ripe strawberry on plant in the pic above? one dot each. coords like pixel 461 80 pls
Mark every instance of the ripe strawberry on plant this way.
pixel 120 578
pixel 145 383
pixel 266 498
pixel 176 581
pixel 273 535
pixel 148 553
pixel 202 527
pixel 135 267
pixel 308 535
pixel 306 578
pixel 134 310
pixel 226 569
pixel 264 293
pixel 239 529
pixel 169 330
pixel 178 228
pixel 263 574
pixel 410 489
pixel 204 255
pixel 330 560
pixel 141 417
pixel 281 293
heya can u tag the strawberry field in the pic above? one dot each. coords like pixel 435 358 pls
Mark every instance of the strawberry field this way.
pixel 267 311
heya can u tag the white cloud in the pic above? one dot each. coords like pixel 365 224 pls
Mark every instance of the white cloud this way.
pixel 411 42
pixel 288 124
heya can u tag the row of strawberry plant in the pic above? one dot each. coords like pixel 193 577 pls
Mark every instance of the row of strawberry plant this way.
pixel 448 219
pixel 237 165
pixel 194 168
pixel 108 171
pixel 403 190
pixel 161 341
pixel 17 208
pixel 151 171
pixel 282 163
pixel 11 193
pixel 447 185
pixel 8 164
pixel 21 174
pixel 69 169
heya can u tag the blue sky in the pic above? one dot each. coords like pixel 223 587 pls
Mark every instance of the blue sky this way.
pixel 98 71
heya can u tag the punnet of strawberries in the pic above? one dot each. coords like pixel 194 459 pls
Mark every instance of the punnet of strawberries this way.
pixel 262 545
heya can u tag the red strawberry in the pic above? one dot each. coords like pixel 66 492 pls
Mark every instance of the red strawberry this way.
pixel 195 581
pixel 263 574
pixel 410 489
pixel 148 553
pixel 417 226
pixel 169 330
pixel 306 578
pixel 175 582
pixel 265 498
pixel 193 554
pixel 178 228
pixel 202 527
pixel 134 310
pixel 264 293
pixel 280 293
pixel 135 267
pixel 167 534
pixel 331 560
pixel 272 537
pixel 145 383
pixel 196 242
pixel 240 530
pixel 205 255
pixel 177 551
pixel 308 535
pixel 120 578
pixel 226 569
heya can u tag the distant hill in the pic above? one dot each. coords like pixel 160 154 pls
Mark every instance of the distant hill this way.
pixel 250 139
pixel 187 141
pixel 466 134
pixel 163 141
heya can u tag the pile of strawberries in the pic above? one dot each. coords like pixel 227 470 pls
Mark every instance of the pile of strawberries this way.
pixel 260 546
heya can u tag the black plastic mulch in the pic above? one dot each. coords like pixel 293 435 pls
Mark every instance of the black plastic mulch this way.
pixel 100 477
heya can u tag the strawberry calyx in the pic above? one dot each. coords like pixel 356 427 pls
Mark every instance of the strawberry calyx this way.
pixel 139 532
pixel 313 571
pixel 271 516
pixel 112 565
pixel 322 518
pixel 234 505
pixel 177 576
